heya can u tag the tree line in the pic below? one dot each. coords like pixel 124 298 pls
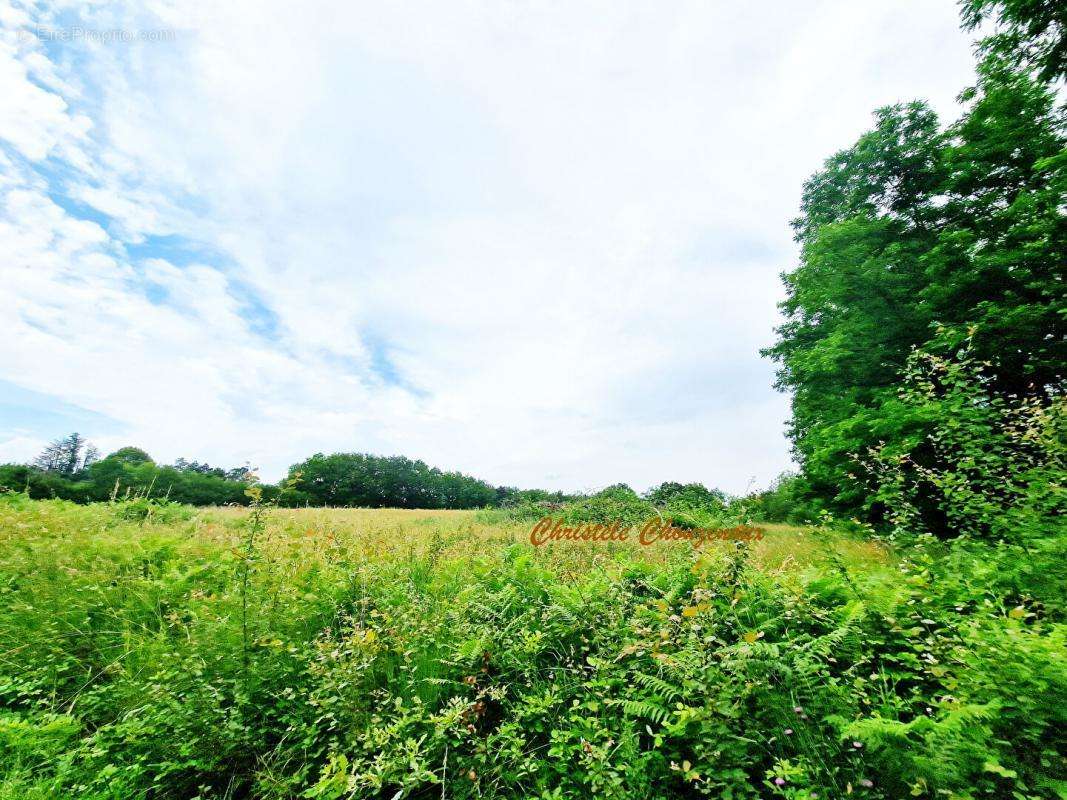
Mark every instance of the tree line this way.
pixel 71 469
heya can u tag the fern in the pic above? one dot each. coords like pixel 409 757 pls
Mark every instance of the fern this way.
pixel 846 636
pixel 644 709
pixel 665 692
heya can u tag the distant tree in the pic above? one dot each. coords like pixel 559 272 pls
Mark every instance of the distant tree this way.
pixel 614 503
pixel 41 485
pixel 692 494
pixel 509 496
pixel 245 474
pixel 70 469
pixel 50 459
pixel 788 499
pixel 130 455
pixel 67 456
pixel 361 479
pixel 201 469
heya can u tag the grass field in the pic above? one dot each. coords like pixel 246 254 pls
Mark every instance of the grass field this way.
pixel 381 653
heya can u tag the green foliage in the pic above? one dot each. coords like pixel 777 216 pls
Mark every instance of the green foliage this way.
pixel 125 474
pixel 980 463
pixel 274 654
pixel 913 237
pixel 1032 33
pixel 41 484
pixel 618 502
pixel 789 499
pixel 359 479
pixel 690 505
pixel 149 650
pixel 67 456
pixel 131 455
pixel 146 509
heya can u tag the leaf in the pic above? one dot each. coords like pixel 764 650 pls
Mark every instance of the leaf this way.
pixel 996 769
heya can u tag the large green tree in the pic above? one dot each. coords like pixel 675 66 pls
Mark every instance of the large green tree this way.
pixel 920 235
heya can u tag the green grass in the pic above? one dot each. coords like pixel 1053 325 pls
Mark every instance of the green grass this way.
pixel 379 653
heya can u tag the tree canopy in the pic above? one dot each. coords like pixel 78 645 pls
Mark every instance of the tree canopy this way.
pixel 361 479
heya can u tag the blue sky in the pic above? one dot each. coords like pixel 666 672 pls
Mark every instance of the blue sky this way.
pixel 540 244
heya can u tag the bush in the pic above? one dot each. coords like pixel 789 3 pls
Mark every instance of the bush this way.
pixel 978 463
pixel 789 499
pixel 143 509
pixel 618 502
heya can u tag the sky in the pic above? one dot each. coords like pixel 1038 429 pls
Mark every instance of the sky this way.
pixel 537 243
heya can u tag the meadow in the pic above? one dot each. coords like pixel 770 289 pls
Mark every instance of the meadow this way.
pixel 372 626
pixel 152 650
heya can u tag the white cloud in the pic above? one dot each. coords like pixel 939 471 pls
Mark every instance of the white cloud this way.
pixel 535 243
pixel 16 448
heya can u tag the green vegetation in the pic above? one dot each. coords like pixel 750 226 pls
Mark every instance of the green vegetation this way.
pixel 930 237
pixel 347 653
pixel 913 645
pixel 126 473
pixel 356 479
pixel 152 650
pixel 69 469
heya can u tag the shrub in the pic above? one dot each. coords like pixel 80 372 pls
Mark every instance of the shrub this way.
pixel 143 509
pixel 977 463
pixel 618 502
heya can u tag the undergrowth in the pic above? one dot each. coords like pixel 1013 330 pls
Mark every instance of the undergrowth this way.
pixel 334 654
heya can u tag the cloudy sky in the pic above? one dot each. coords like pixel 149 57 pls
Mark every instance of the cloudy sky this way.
pixel 538 243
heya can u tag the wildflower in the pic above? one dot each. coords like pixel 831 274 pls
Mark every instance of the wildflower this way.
pixel 857 745
pixel 866 783
pixel 788 731
pixel 798 709
pixel 779 781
